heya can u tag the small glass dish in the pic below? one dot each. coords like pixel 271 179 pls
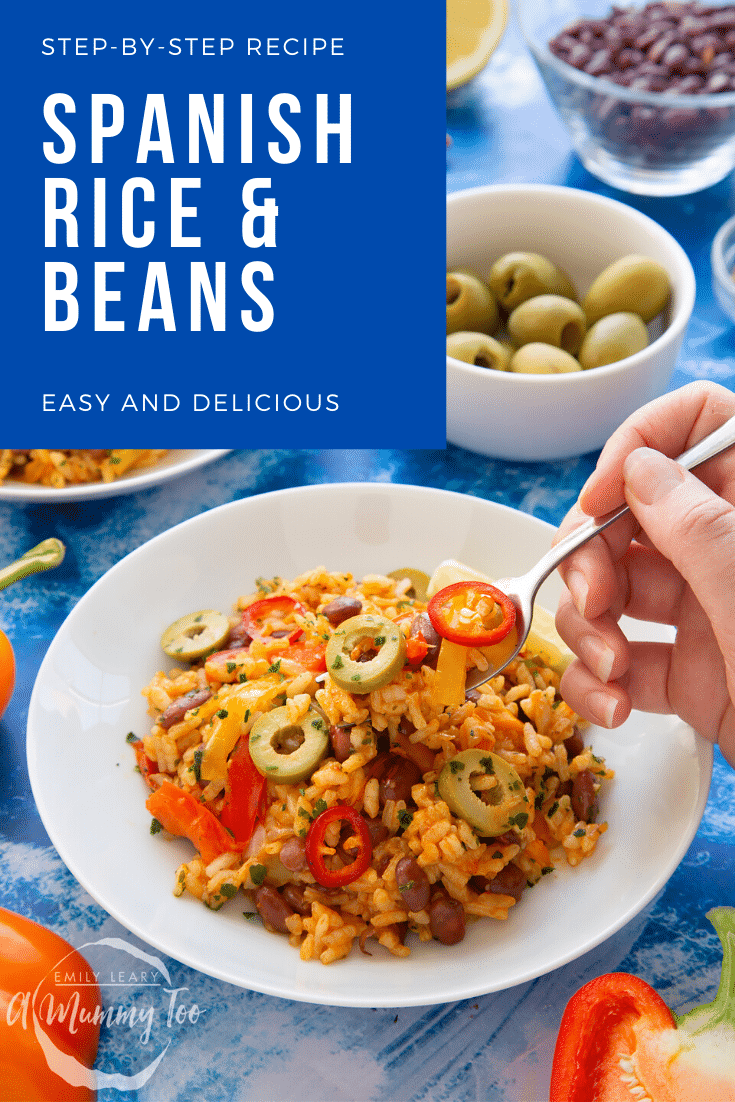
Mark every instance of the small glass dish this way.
pixel 723 267
pixel 648 143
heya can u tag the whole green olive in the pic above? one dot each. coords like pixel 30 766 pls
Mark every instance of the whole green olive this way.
pixel 543 359
pixel 470 304
pixel 634 284
pixel 612 338
pixel 517 277
pixel 478 349
pixel 550 319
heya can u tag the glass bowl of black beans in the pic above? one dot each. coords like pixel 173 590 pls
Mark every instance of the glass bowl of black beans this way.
pixel 647 91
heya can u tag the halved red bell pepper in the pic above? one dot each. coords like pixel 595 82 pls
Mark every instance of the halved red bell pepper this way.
pixel 263 619
pixel 337 878
pixel 618 1040
pixel 181 814
pixel 472 614
pixel 246 799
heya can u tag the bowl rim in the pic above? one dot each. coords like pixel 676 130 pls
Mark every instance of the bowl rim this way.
pixel 601 86
pixel 717 256
pixel 673 331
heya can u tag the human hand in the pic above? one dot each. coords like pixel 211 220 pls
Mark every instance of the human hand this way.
pixel 671 561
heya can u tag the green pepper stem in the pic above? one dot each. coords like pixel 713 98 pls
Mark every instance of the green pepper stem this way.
pixel 721 1011
pixel 45 555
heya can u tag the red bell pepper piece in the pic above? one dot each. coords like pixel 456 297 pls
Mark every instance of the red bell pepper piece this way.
pixel 618 1040
pixel 337 878
pixel 246 799
pixel 466 614
pixel 182 814
pixel 416 649
pixel 263 619
pixel 146 765
pixel 310 656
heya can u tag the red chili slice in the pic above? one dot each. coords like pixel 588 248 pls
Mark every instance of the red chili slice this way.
pixel 337 878
pixel 273 618
pixel 462 613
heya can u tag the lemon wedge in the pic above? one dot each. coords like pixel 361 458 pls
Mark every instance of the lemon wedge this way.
pixel 474 28
pixel 543 638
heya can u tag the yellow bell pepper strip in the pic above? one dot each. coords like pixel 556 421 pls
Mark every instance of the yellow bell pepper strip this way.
pixel 619 1040
pixel 228 721
pixel 31 957
pixel 448 685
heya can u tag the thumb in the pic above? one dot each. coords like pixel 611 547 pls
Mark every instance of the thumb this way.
pixel 690 525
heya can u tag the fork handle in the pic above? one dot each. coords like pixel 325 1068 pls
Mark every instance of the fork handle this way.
pixel 716 442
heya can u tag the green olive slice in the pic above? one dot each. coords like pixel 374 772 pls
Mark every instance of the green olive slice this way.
pixel 288 752
pixel 381 635
pixel 419 581
pixel 196 635
pixel 507 799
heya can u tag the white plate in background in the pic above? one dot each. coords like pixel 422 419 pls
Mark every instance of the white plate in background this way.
pixel 172 465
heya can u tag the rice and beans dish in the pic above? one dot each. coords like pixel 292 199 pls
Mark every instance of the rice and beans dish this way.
pixel 58 469
pixel 319 751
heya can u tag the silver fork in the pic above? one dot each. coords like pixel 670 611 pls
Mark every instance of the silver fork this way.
pixel 522 591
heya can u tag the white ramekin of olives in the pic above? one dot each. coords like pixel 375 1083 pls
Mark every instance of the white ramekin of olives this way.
pixel 565 312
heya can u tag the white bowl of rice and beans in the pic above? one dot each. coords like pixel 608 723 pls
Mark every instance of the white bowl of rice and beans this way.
pixel 269 816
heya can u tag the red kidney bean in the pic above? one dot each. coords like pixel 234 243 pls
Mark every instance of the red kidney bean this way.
pixel 293 854
pixel 341 608
pixel 584 797
pixel 273 909
pixel 238 637
pixel 509 881
pixel 377 830
pixel 574 745
pixel 293 894
pixel 422 625
pixel 178 709
pixel 413 884
pixel 341 742
pixel 398 779
pixel 446 919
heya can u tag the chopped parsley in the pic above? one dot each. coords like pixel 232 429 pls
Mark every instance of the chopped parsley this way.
pixel 406 887
pixel 319 807
pixel 519 820
pixel 197 765
pixel 338 663
pixel 276 667
pixel 405 818
pixel 231 667
pixel 487 765
pixel 553 810
pixel 229 891
pixel 456 766
pixel 258 874
pixel 580 833
pixel 242 678
pixel 131 737
pixel 155 826
pixel 222 713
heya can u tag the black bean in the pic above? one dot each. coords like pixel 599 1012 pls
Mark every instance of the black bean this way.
pixel 341 608
pixel 398 779
pixel 178 709
pixel 293 854
pixel 413 884
pixel 273 909
pixel 584 797
pixel 446 919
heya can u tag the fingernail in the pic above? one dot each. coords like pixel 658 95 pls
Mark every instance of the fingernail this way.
pixel 596 654
pixel 577 586
pixel 602 706
pixel 651 476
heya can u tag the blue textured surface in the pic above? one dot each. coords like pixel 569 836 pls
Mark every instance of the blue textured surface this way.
pixel 254 1048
